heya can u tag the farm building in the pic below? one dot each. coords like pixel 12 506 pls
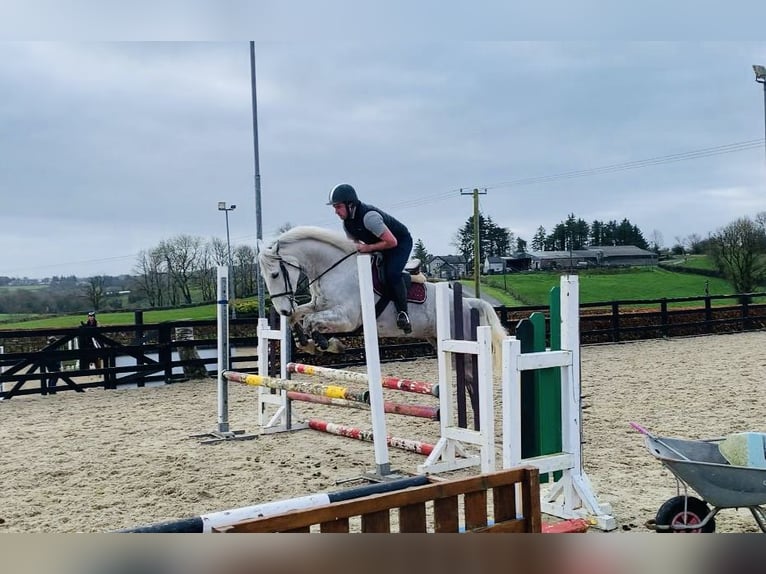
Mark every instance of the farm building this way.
pixel 448 267
pixel 595 256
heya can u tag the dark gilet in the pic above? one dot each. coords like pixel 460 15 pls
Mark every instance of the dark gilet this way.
pixel 354 226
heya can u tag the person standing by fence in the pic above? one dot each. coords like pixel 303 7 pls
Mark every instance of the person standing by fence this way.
pixel 52 366
pixel 87 342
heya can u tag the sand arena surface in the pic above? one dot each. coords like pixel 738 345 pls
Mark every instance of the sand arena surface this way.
pixel 105 460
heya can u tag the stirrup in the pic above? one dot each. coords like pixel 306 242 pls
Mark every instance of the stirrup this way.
pixel 403 322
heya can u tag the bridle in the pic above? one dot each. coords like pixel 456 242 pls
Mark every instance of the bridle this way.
pixel 289 291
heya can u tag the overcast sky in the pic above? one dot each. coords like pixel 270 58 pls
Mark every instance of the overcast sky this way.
pixel 109 148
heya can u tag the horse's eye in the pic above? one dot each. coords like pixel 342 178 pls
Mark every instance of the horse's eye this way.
pixel 275 274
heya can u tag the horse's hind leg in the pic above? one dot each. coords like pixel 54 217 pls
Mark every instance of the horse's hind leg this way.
pixel 331 345
pixel 471 387
pixel 328 321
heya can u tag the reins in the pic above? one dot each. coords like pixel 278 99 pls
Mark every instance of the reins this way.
pixel 331 267
pixel 289 291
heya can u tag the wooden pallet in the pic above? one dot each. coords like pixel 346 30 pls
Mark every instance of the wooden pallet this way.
pixel 436 504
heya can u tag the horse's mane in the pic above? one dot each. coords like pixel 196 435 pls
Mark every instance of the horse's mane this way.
pixel 301 233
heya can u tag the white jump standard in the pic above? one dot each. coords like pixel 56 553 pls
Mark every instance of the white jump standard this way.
pixel 572 495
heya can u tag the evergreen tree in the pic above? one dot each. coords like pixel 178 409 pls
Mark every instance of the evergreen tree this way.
pixel 493 240
pixel 573 233
pixel 421 253
pixel 597 231
pixel 538 241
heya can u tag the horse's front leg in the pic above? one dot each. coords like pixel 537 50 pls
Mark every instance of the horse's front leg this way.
pixel 302 341
pixel 300 336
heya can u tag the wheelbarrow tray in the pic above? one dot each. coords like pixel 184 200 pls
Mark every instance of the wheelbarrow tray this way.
pixel 700 465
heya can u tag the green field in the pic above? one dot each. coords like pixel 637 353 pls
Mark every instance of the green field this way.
pixel 14 317
pixel 596 286
pixel 698 262
pixel 201 312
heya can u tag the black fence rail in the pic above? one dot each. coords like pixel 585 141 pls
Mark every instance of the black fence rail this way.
pixel 46 361
pixel 630 320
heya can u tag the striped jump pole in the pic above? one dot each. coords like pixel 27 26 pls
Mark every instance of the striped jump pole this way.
pixel 333 391
pixel 395 383
pixel 420 411
pixel 207 523
pixel 367 436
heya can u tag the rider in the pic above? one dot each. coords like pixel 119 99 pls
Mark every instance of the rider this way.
pixel 374 230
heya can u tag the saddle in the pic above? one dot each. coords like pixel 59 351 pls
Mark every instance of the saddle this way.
pixel 414 281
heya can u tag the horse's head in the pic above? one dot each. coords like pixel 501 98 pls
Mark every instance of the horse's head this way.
pixel 280 274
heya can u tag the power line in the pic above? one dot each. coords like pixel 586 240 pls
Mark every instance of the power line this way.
pixel 589 172
pixel 637 164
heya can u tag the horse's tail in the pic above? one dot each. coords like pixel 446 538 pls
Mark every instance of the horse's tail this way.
pixel 488 316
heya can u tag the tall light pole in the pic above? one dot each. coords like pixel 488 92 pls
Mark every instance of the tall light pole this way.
pixel 226 210
pixel 760 77
pixel 256 161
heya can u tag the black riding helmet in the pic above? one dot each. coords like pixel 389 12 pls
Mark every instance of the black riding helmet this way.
pixel 343 193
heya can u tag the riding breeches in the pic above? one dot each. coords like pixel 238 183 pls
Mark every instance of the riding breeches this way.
pixel 394 261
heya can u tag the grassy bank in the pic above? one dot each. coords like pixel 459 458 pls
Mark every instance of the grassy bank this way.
pixel 595 286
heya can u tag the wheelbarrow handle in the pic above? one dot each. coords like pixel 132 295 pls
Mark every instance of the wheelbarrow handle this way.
pixel 640 429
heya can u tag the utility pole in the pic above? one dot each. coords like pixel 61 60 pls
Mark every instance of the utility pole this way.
pixel 476 239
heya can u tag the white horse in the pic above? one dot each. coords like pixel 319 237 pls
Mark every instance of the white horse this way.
pixel 327 260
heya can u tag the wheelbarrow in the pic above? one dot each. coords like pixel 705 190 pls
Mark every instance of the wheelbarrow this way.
pixel 699 465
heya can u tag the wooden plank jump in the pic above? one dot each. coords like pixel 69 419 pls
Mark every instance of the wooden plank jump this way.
pixel 442 499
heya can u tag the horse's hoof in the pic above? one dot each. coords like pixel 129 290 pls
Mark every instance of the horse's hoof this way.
pixel 309 348
pixel 300 339
pixel 320 340
pixel 335 346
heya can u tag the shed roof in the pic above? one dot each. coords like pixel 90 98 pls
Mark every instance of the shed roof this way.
pixel 620 250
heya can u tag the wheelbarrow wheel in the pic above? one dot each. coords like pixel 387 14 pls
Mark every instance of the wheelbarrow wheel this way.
pixel 683 510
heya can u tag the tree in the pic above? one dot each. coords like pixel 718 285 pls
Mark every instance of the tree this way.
pixel 613 233
pixel 244 263
pixel 207 274
pixel 493 240
pixel 692 243
pixel 420 252
pixel 570 234
pixel 657 242
pixel 182 254
pixel 149 279
pixel 538 241
pixel 521 245
pixel 597 233
pixel 738 251
pixel 94 291
pixel 498 239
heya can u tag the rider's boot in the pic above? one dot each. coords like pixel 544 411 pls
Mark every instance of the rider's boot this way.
pixel 400 301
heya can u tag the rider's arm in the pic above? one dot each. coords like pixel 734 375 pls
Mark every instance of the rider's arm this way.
pixel 374 223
